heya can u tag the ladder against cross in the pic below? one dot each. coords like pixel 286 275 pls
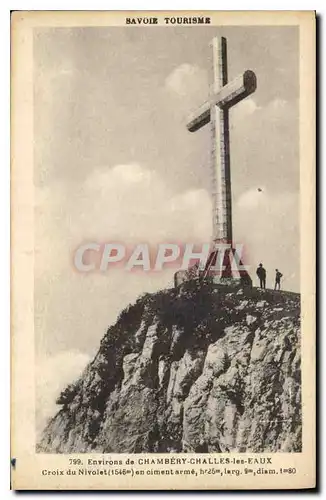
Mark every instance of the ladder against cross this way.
pixel 215 111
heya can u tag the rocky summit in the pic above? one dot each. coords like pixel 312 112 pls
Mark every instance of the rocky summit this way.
pixel 208 368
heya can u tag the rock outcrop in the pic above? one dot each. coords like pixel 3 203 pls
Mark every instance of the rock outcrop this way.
pixel 206 369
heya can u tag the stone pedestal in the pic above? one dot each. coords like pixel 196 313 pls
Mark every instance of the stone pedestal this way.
pixel 230 272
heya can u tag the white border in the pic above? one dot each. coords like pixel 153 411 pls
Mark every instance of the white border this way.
pixel 5 7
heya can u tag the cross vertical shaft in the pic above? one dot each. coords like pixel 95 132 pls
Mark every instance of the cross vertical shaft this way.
pixel 222 96
pixel 220 162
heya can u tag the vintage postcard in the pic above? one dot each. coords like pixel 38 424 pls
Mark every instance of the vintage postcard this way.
pixel 163 250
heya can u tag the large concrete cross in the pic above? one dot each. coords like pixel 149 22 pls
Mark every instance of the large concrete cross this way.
pixel 223 96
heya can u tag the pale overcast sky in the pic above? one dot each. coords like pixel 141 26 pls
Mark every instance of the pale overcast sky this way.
pixel 114 161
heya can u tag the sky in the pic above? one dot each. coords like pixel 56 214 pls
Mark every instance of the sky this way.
pixel 114 161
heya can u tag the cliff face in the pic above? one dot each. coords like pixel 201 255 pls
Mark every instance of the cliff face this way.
pixel 210 369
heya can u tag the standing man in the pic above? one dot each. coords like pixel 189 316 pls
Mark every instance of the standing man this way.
pixel 261 273
pixel 278 277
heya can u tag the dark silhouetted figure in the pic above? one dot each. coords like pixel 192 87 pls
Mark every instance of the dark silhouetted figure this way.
pixel 278 277
pixel 261 273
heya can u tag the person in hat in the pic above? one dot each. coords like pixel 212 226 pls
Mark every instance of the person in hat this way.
pixel 261 273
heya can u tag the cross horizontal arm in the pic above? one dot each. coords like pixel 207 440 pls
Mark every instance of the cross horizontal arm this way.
pixel 229 95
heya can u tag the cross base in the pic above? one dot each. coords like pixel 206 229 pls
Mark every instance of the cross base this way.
pixel 229 272
pixel 226 273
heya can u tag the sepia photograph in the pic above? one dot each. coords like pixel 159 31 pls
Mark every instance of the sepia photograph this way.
pixel 165 172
